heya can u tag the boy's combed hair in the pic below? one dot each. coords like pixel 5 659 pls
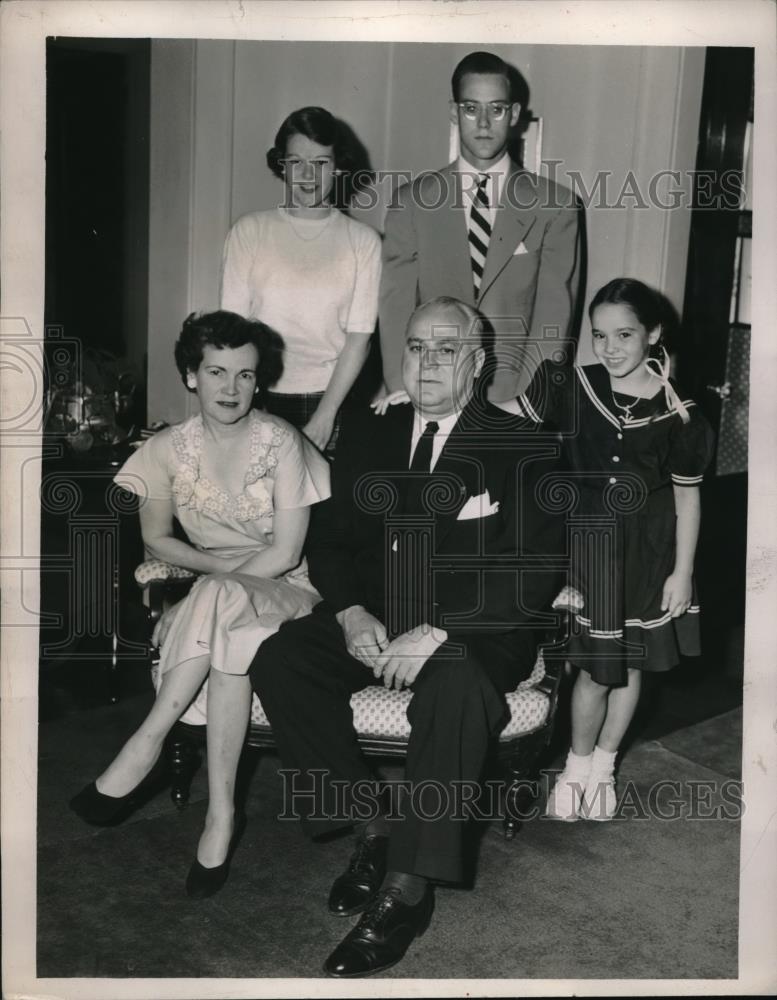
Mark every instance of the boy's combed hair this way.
pixel 480 63
pixel 352 162
pixel 223 329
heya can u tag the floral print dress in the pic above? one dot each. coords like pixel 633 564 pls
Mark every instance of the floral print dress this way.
pixel 228 615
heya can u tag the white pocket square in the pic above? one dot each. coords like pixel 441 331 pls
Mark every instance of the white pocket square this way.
pixel 479 506
pixel 521 248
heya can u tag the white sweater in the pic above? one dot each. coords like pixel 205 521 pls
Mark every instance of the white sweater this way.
pixel 312 280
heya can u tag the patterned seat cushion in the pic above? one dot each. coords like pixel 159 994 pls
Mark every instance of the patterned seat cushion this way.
pixel 378 713
pixel 382 714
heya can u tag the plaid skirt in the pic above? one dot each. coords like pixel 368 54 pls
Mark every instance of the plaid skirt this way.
pixel 298 408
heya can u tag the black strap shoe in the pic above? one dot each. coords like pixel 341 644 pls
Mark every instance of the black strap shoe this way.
pixel 385 931
pixel 359 883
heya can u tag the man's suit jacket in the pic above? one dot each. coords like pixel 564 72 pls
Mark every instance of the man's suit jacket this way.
pixel 471 580
pixel 426 254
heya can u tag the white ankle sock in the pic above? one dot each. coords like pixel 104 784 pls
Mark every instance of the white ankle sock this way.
pixel 578 765
pixel 603 762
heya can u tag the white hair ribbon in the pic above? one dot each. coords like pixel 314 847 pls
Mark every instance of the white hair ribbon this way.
pixel 660 369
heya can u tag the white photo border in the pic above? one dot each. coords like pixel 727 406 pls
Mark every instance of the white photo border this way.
pixel 25 25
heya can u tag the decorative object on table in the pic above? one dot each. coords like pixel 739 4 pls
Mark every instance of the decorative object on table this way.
pixel 93 408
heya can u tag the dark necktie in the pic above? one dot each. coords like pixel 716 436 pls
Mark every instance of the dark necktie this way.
pixel 420 466
pixel 409 583
pixel 422 456
pixel 479 232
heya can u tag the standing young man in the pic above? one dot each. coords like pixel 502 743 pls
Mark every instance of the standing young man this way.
pixel 486 232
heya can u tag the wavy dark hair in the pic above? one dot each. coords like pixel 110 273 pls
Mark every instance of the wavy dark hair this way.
pixel 222 329
pixel 645 303
pixel 651 308
pixel 352 162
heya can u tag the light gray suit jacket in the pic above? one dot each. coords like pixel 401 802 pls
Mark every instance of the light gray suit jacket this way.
pixel 530 281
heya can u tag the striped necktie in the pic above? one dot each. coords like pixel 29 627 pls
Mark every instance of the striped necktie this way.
pixel 479 232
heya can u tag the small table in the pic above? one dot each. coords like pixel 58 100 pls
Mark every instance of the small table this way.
pixel 90 545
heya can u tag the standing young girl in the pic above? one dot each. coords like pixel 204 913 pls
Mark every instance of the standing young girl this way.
pixel 636 454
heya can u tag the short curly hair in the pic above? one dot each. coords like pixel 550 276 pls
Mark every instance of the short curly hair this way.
pixel 352 162
pixel 222 329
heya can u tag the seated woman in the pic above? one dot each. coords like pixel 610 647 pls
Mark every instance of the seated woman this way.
pixel 309 270
pixel 241 483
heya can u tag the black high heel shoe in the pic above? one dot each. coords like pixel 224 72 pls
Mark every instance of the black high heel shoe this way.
pixel 203 882
pixel 101 810
pixel 94 807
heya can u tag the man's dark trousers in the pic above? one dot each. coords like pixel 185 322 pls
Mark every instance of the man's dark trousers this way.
pixel 304 677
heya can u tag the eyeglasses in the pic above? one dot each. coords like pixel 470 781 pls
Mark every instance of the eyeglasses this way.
pixel 495 110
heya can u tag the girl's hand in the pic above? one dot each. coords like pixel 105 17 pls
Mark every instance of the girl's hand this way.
pixel 676 598
pixel 162 627
pixel 381 405
pixel 569 599
pixel 319 428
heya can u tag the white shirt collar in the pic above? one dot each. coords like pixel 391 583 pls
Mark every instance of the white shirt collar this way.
pixel 498 172
pixel 445 426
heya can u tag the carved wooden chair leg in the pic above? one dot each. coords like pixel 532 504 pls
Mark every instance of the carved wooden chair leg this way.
pixel 522 788
pixel 183 759
pixel 519 797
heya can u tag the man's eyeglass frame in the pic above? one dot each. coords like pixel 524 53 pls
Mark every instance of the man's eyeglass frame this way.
pixel 496 110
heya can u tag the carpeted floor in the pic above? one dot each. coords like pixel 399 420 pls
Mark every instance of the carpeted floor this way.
pixel 651 895
pixel 641 897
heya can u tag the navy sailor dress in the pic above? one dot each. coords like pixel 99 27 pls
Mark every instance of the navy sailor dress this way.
pixel 622 458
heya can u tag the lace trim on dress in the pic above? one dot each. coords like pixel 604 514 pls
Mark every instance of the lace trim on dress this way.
pixel 193 491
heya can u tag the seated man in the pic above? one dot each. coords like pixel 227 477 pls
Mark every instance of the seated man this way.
pixel 456 627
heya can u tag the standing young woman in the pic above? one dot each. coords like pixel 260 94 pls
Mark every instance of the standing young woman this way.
pixel 309 271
